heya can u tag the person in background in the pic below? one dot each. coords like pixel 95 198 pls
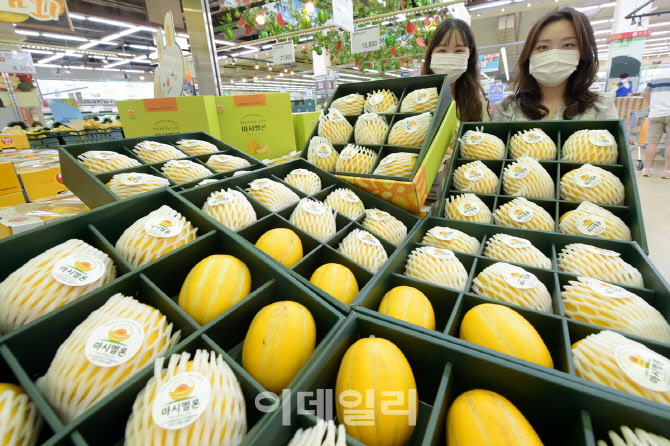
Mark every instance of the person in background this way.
pixel 657 93
pixel 452 51
pixel 624 87
pixel 557 66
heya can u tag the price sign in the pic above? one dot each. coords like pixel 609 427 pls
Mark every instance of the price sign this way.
pixel 16 62
pixel 283 53
pixel 365 39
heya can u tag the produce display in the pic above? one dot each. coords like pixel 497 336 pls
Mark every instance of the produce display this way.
pixel 479 145
pixel 324 433
pixel 468 207
pixel 336 280
pixel 322 154
pixel 385 225
pixel 532 143
pixel 420 101
pixel 590 146
pixel 453 239
pixel 598 263
pixel 592 220
pixel 476 177
pixel 230 208
pixel 99 162
pixel 630 437
pixel 334 127
pixel 382 101
pixel 126 185
pixel 410 132
pixel 364 249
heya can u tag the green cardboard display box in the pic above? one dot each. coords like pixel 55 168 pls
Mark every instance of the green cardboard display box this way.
pixel 303 125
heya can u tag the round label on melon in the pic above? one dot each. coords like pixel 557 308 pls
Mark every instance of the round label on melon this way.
pixel 163 226
pixel 349 99
pixel 602 251
pixel 313 207
pixel 600 138
pixel 441 254
pixel 114 343
pixel 155 146
pixel 350 197
pixel 220 199
pixel 516 242
pixel 468 208
pixel 645 367
pixel 78 270
pixel 591 224
pixel 335 116
pixel 368 239
pixel 133 179
pixel 348 153
pixel 586 178
pixel 380 215
pixel 532 137
pixel 260 184
pixel 181 400
pixel 104 155
pixel 608 290
pixel 300 172
pixel 323 151
pixel 519 171
pixel 221 158
pixel 184 164
pixel 444 234
pixel 474 139
pixel 519 278
pixel 521 213
pixel 376 99
pixel 203 182
pixel 410 125
pixel 389 159
pixel 421 96
pixel 369 116
pixel 474 174
pixel 238 173
pixel 192 143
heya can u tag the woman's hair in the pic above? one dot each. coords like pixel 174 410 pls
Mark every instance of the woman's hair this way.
pixel 578 97
pixel 468 86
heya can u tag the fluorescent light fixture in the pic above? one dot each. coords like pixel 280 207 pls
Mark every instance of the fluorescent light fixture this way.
pixel 603 31
pixel 311 76
pixel 51 58
pixel 392 74
pixel 111 22
pixel 243 53
pixel 489 5
pixel 88 45
pixel 65 37
pixel 107 57
pixel 77 16
pixel 371 71
pixel 600 22
pixel 25 32
pixel 503 52
pixel 147 29
pixel 224 42
pixel 116 64
pixel 355 76
pixel 142 47
pixel 115 36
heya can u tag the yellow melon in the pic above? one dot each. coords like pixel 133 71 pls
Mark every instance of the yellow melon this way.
pixel 369 367
pixel 504 330
pixel 590 146
pixel 281 244
pixel 20 423
pixel 291 330
pixel 336 280
pixel 214 285
pixel 410 305
pixel 484 418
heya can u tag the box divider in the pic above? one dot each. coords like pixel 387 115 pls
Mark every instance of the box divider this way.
pixel 435 430
pixel 120 262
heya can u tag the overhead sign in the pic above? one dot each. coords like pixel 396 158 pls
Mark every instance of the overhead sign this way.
pixel 171 68
pixel 65 111
pixel 496 92
pixel 365 39
pixel 630 35
pixel 16 62
pixel 42 13
pixel 343 14
pixel 283 53
pixel 489 63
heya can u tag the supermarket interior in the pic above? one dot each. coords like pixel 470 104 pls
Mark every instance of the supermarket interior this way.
pixel 334 222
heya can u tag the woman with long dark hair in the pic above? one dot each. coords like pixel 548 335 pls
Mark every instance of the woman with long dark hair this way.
pixel 557 66
pixel 452 51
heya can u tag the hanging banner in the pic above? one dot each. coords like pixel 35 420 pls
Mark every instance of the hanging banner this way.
pixel 47 14
pixel 171 68
pixel 343 14
pixel 365 39
pixel 65 111
pixel 496 92
pixel 489 63
pixel 626 58
pixel 20 62
pixel 283 53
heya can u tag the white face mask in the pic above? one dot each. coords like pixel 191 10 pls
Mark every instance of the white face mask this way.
pixel 453 65
pixel 552 67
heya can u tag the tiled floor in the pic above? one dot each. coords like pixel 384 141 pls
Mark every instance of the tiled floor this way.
pixel 655 198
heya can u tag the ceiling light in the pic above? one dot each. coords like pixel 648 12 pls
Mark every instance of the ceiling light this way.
pixel 255 78
pixel 232 81
pixel 25 32
pixel 490 5
pixel 67 70
pixel 285 70
pixel 639 25
pixel 268 76
pixel 115 36
pixel 260 19
pixel 292 73
pixel 244 80
pixel 141 47
pixel 141 77
pixel 604 5
pixel 528 5
pixel 111 22
pixel 603 31
pixel 600 22
pixel 30 50
pixel 256 67
pixel 503 10
pixel 281 74
pixel 309 6
pixel 65 37
pixel 371 71
pixel 632 21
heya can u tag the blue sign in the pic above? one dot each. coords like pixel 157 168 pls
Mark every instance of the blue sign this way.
pixel 405 73
pixel 65 111
pixel 496 93
pixel 489 63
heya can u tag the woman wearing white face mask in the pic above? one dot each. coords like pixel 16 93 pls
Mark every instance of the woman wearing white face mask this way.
pixel 557 66
pixel 452 51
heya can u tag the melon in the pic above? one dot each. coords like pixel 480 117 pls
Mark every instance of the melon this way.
pixel 323 434
pixel 410 132
pixel 477 144
pixel 512 284
pixel 524 214
pixel 126 185
pixel 225 163
pixel 214 285
pixel 598 263
pixel 400 164
pixel 504 330
pixel 533 143
pixel 350 105
pixel 155 152
pixel 592 220
pixel 346 202
pixel 467 207
pixel 230 208
pixel 453 239
pixel 315 218
pixel 369 367
pixel 385 225
pixel 637 437
pixel 304 180
pixel 594 184
pixel 590 146
pixel 336 280
pixel 370 129
pixel 292 330
pixel 322 154
pixel 272 194
pixel 527 178
pixel 20 422
pixel 515 249
pixel 438 266
pixel 281 244
pixel 96 161
pixel 184 171
pixel 196 147
pixel 410 305
pixel 476 177
pixel 381 101
pixel 356 159
pixel 364 249
pixel 334 127
pixel 419 101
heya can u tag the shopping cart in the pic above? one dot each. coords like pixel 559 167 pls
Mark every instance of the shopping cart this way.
pixel 637 133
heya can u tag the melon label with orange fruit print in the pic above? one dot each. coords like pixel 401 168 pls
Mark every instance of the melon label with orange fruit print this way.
pixel 591 224
pixel 608 290
pixel 586 178
pixel 181 400
pixel 163 226
pixel 521 213
pixel 644 366
pixel 519 277
pixel 78 270
pixel 114 342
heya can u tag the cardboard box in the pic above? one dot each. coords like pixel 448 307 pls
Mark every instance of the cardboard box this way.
pixel 258 124
pixel 12 199
pixel 9 182
pixel 164 116
pixel 15 224
pixel 303 124
pixel 14 141
pixel 41 181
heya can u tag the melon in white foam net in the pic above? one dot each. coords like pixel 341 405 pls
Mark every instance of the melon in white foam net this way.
pixel 225 163
pixel 410 132
pixel 590 146
pixel 610 306
pixel 477 144
pixel 334 127
pixel 155 235
pixel 419 101
pixel 615 361
pixel 385 225
pixel 467 207
pixel 453 239
pixel 346 202
pixel 351 104
pixel 356 159
pixel 594 184
pixel 595 221
pixel 196 146
pixel 370 129
pixel 604 264
pixel 524 214
pixel 315 218
pixel 183 171
pixel 436 265
pixel 512 284
pixel 20 422
pixel 364 249
pixel 304 180
pixel 325 433
pixel 96 161
pixel 322 154
pixel 476 177
pixel 154 152
pixel 399 164
pixel 533 143
pixel 50 280
pixel 110 346
pixel 527 178
pixel 272 194
pixel 381 101
pixel 515 249
pixel 630 437
pixel 217 415
pixel 230 208
pixel 126 185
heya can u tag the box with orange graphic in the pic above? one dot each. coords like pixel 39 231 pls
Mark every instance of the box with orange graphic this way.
pixel 41 181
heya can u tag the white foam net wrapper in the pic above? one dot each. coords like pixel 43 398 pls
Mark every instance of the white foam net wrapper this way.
pixel 315 218
pixel 225 163
pixel 139 246
pixel 364 249
pixel 595 359
pixel 381 101
pixel 230 208
pixel 370 129
pixel 515 249
pixel 126 185
pixel 196 146
pixel 528 178
pixel 20 422
pixel 350 105
pixel 72 384
pixel 436 265
pixel 271 194
pixel 521 213
pixel 418 101
pixel 477 144
pixel 31 291
pixel 325 433
pixel 385 225
pixel 610 306
pixel 533 143
pixel 305 180
pixel 154 152
pixel 100 162
pixel 638 437
pixel 498 282
pixel 410 132
pixel 399 164
pixel 590 146
pixel 334 127
pixel 223 422
pixel 322 154
pixel 476 177
pixel 594 184
pixel 453 239
pixel 592 261
pixel 593 220
pixel 346 202
pixel 356 159
pixel 184 171
pixel 467 207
